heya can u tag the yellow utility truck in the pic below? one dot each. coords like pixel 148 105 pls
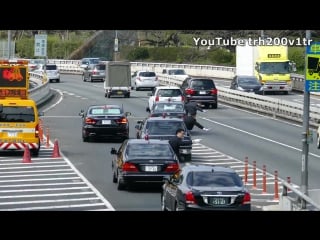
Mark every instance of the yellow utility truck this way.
pixel 19 117
pixel 269 63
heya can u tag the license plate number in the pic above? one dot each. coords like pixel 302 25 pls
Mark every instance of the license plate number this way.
pixel 119 92
pixel 151 168
pixel 218 201
pixel 202 92
pixel 106 121
pixel 12 134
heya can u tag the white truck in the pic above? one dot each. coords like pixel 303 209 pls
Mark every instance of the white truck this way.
pixel 270 64
pixel 118 79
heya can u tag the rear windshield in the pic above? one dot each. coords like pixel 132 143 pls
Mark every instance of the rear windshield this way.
pixel 214 179
pixel 104 111
pixel 177 72
pixel 169 93
pixel 101 67
pixel 51 67
pixel 149 150
pixel 168 107
pixel 147 74
pixel 202 84
pixel 164 127
pixel 17 114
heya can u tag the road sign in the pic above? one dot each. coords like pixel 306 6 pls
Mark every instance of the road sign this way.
pixel 40 45
pixel 312 81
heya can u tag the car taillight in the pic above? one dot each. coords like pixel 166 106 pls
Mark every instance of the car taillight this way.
pixel 36 132
pixel 246 198
pixel 214 91
pixel 122 120
pixel 90 121
pixel 190 199
pixel 190 91
pixel 172 167
pixel 157 98
pixel 129 167
pixel 182 98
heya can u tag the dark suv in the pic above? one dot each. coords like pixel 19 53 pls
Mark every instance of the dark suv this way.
pixel 201 90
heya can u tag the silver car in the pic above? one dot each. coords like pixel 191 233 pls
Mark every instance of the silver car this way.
pixel 52 71
pixel 145 79
pixel 96 72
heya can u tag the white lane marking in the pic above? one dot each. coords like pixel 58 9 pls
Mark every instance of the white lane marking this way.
pixel 42 189
pixel 59 207
pixel 37 175
pixel 257 136
pixel 106 202
pixel 49 201
pixel 55 104
pixel 39 179
pixel 40 184
pixel 46 195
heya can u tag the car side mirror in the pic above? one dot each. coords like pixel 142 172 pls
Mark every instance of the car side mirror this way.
pixel 113 151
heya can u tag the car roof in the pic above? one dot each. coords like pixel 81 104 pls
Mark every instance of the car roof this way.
pixel 167 87
pixel 164 119
pixel 143 141
pixel 207 168
pixel 105 105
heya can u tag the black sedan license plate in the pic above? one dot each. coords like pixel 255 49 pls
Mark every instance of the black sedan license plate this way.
pixel 119 92
pixel 218 200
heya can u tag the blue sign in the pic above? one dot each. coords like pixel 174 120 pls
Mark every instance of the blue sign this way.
pixel 312 81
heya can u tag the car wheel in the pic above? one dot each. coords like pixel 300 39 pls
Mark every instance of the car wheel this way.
pixel 163 205
pixel 114 177
pixel 121 184
pixel 215 106
pixel 187 158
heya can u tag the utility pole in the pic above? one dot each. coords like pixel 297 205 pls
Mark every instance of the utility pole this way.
pixel 9 44
pixel 305 134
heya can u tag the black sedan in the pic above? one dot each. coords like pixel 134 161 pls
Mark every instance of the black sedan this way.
pixel 246 84
pixel 165 128
pixel 204 187
pixel 170 109
pixel 143 161
pixel 104 121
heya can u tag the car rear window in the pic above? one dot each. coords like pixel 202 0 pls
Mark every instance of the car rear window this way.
pixel 169 93
pixel 147 74
pixel 51 67
pixel 148 150
pixel 101 67
pixel 171 107
pixel 104 111
pixel 177 72
pixel 202 84
pixel 163 127
pixel 214 179
pixel 17 114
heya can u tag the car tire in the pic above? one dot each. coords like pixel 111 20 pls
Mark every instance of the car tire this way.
pixel 187 158
pixel 163 205
pixel 114 178
pixel 121 185
pixel 215 105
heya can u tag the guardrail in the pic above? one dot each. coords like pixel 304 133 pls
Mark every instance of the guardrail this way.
pixel 73 67
pixel 276 107
pixel 292 199
pixel 41 93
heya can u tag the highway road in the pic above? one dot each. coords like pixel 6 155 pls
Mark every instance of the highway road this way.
pixel 235 134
